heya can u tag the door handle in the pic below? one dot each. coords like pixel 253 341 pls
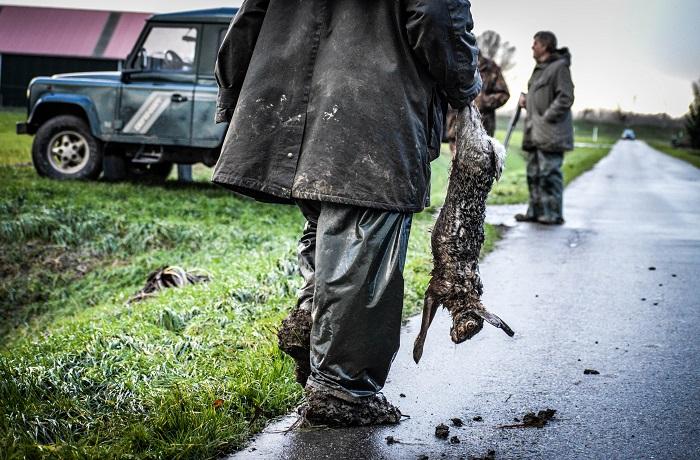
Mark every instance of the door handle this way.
pixel 178 98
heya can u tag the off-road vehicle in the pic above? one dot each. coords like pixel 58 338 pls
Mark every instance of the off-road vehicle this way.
pixel 158 110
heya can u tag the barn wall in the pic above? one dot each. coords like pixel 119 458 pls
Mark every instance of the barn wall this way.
pixel 17 71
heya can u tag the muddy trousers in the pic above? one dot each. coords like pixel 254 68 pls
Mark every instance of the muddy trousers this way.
pixel 546 184
pixel 352 262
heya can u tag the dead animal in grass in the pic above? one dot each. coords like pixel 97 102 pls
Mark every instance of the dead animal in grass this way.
pixel 169 277
pixel 459 234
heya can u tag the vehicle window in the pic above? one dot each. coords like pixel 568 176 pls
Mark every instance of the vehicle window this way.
pixel 211 39
pixel 168 49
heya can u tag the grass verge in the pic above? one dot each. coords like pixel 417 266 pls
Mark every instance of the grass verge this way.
pixel 691 156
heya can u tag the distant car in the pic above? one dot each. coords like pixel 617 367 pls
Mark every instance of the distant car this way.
pixel 157 111
pixel 628 135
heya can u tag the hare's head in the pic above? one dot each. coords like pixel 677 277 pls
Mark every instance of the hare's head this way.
pixel 466 324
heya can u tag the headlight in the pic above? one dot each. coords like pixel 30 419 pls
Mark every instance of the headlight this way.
pixel 29 91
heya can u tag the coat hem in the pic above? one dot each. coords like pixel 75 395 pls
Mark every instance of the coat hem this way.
pixel 275 194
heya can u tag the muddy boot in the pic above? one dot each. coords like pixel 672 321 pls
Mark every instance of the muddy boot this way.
pixel 294 339
pixel 525 218
pixel 551 221
pixel 324 407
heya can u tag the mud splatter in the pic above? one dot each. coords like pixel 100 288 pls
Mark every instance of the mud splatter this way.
pixel 329 115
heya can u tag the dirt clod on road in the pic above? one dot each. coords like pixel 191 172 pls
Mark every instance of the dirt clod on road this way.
pixel 442 431
pixel 457 422
pixel 532 420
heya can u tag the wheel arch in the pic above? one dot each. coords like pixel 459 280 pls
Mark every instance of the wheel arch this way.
pixel 53 105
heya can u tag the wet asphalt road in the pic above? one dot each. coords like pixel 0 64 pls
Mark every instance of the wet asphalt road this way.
pixel 580 296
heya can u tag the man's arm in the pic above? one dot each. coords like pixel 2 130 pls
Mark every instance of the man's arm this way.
pixel 235 54
pixel 439 32
pixel 563 96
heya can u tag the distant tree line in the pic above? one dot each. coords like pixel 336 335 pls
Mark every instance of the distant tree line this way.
pixel 620 117
pixel 687 127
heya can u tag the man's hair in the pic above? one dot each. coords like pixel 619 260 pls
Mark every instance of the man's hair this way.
pixel 548 39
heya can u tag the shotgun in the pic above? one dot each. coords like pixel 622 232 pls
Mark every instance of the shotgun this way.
pixel 511 126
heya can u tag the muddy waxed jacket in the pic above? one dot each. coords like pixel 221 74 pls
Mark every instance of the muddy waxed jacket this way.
pixel 343 100
pixel 549 122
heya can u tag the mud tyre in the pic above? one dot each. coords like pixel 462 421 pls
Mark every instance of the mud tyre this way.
pixel 64 148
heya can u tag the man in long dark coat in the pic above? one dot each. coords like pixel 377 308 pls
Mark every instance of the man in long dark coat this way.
pixel 337 107
pixel 549 129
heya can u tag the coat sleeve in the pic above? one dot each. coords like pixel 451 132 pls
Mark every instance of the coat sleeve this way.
pixel 439 32
pixel 563 96
pixel 235 54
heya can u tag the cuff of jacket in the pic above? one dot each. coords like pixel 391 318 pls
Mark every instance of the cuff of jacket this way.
pixel 459 98
pixel 227 98
pixel 223 115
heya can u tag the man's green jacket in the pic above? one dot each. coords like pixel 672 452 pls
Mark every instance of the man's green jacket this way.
pixel 549 122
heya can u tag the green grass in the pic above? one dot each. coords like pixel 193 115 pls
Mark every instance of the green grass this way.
pixel 13 148
pixel 691 156
pixel 84 375
pixel 512 188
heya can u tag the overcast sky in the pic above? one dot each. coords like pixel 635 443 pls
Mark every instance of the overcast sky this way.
pixel 641 55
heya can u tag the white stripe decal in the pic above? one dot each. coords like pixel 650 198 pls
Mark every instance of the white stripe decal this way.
pixel 152 108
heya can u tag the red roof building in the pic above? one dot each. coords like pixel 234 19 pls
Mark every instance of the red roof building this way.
pixel 68 32
pixel 45 41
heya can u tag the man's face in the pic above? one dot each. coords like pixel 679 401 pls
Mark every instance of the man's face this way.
pixel 538 50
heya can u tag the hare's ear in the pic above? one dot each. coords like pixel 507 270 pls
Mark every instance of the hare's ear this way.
pixel 430 306
pixel 494 320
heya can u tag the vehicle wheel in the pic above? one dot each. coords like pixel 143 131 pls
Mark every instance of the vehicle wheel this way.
pixel 155 172
pixel 64 148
